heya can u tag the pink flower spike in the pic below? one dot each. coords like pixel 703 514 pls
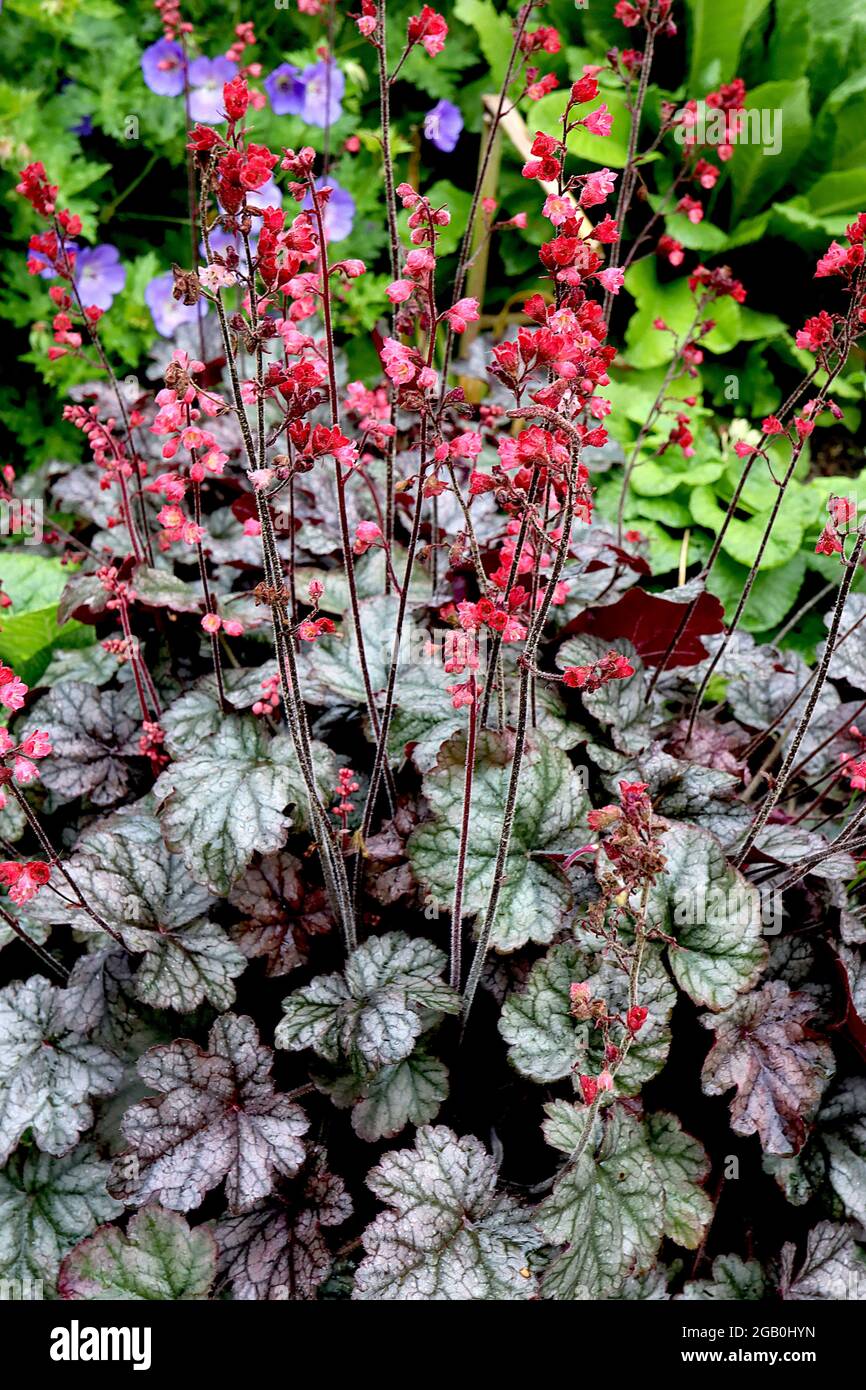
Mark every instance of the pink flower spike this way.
pixel 211 622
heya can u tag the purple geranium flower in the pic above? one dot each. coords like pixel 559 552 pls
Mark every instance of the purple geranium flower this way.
pixel 99 276
pixel 322 94
pixel 443 125
pixel 339 212
pixel 285 89
pixel 167 312
pixel 207 77
pixel 162 68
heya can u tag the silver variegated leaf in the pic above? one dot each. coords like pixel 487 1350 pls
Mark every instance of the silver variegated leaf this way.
pixel 550 811
pixel 48 1069
pixel 447 1233
pixel 216 1116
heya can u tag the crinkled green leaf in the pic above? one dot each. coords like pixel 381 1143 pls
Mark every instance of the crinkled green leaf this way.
pixel 683 1167
pixel 220 804
pixel 704 796
pixel 620 705
pixel 149 897
pixel 764 1048
pixel 196 715
pixel 842 1130
pixel 46 1206
pixel 732 1279
pixel 216 1116
pixel 713 913
pixel 425 718
pixel 547 1044
pixel 334 662
pixel 48 1069
pixel 607 1208
pixel 373 1016
pixel 409 1092
pixel 447 1234
pixel 158 1257
pixel 549 813
pixel 163 589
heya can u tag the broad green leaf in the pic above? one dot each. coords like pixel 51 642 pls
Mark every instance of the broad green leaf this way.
pixel 732 1279
pixel 676 305
pixel 46 1206
pixel 715 35
pixel 371 1018
pixel 158 1257
pixel 743 538
pixel 756 174
pixel 29 629
pixel 493 28
pixel 216 1116
pixel 779 1067
pixel 547 1044
pixel 447 1234
pixel 222 803
pixel 549 813
pixel 772 596
pixel 683 1167
pixel 47 1088
pixel 409 1092
pixel 606 1208
pixel 610 151
pixel 713 912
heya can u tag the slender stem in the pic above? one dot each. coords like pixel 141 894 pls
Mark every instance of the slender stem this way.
pixel 629 177
pixel 537 624
pixel 781 781
pixel 345 539
pixel 381 43
pixel 460 877
pixel 36 826
pixel 466 245
pixel 45 956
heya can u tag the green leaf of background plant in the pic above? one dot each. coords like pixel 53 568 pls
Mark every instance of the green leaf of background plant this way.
pixel 755 174
pixel 715 34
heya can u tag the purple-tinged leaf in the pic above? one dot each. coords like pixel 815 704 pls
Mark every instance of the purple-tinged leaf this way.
pixel 216 1116
pixel 764 1048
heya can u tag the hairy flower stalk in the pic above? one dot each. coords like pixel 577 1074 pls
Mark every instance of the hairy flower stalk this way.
pixel 781 781
pixel 533 638
pixel 843 348
pixel 460 871
pixel 333 864
pixel 348 557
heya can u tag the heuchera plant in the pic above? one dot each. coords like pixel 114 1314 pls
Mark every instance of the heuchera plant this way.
pixel 422 905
